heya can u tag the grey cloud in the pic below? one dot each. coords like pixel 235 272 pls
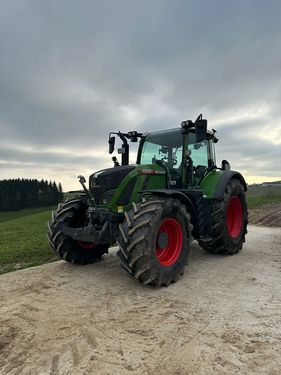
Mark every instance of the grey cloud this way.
pixel 68 69
pixel 247 149
pixel 48 158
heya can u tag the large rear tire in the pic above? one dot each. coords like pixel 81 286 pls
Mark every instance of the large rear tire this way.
pixel 154 241
pixel 229 221
pixel 72 213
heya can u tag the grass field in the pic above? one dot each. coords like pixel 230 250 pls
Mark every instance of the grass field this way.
pixel 12 215
pixel 260 195
pixel 23 241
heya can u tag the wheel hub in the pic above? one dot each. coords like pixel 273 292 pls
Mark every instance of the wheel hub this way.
pixel 234 217
pixel 162 240
pixel 169 242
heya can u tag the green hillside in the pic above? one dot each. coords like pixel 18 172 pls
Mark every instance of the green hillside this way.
pixel 23 241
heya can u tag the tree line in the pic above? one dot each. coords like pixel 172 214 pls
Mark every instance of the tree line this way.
pixel 16 194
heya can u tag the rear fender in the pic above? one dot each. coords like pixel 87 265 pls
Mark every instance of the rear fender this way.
pixel 224 180
pixel 214 183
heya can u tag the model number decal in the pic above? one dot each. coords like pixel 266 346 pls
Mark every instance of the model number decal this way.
pixel 151 171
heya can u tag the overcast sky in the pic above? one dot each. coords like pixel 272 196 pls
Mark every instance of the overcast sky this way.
pixel 71 71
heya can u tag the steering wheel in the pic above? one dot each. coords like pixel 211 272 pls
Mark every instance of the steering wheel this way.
pixel 164 161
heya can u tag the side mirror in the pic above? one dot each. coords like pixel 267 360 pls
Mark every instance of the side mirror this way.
pixel 225 165
pixel 111 142
pixel 200 130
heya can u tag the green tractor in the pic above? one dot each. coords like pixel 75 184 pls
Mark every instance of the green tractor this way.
pixel 153 209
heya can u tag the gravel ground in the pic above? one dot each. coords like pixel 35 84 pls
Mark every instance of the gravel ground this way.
pixel 268 215
pixel 222 317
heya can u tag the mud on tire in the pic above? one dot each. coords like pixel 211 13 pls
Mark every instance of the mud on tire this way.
pixel 72 213
pixel 229 221
pixel 154 241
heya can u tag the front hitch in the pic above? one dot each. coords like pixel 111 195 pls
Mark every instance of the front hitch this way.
pixel 87 234
pixel 104 236
pixel 101 229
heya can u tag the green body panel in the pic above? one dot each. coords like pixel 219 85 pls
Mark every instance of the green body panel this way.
pixel 149 181
pixel 144 181
pixel 210 183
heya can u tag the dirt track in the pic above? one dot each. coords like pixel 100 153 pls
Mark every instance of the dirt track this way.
pixel 222 317
pixel 268 215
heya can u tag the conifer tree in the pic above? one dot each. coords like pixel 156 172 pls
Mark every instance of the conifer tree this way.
pixel 18 193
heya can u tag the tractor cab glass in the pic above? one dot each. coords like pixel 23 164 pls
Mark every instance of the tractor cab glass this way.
pixel 166 146
pixel 163 148
pixel 199 153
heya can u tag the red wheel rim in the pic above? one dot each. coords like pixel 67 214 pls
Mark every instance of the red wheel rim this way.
pixel 234 217
pixel 167 254
pixel 87 245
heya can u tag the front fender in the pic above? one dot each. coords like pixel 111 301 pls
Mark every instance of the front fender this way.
pixel 175 194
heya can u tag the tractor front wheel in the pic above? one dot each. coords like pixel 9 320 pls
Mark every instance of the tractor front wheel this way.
pixel 154 241
pixel 73 213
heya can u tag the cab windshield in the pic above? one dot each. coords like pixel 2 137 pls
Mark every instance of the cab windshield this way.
pixel 165 147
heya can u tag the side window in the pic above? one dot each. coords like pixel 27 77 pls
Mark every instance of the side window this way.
pixel 199 153
pixel 177 156
pixel 150 151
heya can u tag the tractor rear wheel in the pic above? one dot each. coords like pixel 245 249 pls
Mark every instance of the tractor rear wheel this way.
pixel 229 221
pixel 154 241
pixel 73 213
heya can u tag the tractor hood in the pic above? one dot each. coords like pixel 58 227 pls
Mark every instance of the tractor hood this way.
pixel 107 180
pixel 120 186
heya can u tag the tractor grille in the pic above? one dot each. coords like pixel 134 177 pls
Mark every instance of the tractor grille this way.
pixel 107 179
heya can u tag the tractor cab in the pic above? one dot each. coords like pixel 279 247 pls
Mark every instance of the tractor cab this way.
pixel 186 154
pixel 165 148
